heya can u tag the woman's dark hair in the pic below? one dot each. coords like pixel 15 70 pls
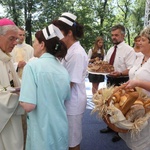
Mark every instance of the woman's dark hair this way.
pixel 137 37
pixel 53 46
pixel 76 28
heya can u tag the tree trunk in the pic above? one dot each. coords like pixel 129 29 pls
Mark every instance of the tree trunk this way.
pixel 28 18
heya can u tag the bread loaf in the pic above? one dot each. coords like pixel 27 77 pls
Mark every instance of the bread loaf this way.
pixel 123 100
pixel 99 66
pixel 147 105
pixel 116 97
pixel 122 109
pixel 138 102
pixel 131 98
pixel 135 112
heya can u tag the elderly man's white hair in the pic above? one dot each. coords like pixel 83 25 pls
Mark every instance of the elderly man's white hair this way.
pixel 4 29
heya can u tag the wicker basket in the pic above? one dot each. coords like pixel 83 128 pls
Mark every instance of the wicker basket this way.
pixel 103 102
pixel 112 126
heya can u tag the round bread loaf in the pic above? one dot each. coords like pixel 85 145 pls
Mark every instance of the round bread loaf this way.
pixel 135 112
pixel 147 105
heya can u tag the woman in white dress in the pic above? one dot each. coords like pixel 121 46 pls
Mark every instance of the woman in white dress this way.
pixel 140 77
pixel 75 62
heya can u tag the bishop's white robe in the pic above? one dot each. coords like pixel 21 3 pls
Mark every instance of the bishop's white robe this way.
pixel 11 133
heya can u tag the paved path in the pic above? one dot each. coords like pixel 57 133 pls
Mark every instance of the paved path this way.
pixel 92 138
pixel 88 85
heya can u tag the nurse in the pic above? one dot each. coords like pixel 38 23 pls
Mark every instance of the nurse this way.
pixel 76 62
pixel 45 88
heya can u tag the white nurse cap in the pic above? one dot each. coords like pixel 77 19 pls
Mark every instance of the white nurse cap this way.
pixel 52 31
pixel 68 18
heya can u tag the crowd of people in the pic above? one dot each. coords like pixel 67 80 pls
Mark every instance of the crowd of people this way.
pixel 51 89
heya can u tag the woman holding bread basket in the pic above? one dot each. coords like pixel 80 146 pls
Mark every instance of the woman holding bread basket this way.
pixel 139 76
pixel 97 52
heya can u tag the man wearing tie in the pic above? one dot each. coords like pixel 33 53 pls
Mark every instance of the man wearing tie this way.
pixel 122 57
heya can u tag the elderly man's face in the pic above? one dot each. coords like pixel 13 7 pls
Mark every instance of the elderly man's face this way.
pixel 8 41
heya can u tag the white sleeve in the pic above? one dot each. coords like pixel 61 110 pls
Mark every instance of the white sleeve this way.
pixel 76 67
pixel 104 55
pixel 15 65
pixel 90 54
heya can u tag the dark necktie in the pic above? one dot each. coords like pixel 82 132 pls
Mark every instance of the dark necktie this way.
pixel 112 58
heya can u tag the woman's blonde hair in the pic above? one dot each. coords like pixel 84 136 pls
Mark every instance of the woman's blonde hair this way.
pixel 146 32
pixel 96 48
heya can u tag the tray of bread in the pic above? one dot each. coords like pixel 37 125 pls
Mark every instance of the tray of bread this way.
pixel 122 109
pixel 97 66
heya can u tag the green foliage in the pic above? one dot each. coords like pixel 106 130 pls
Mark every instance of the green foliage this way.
pixel 14 9
pixel 97 16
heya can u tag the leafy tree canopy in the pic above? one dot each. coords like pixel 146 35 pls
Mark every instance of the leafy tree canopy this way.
pixel 97 16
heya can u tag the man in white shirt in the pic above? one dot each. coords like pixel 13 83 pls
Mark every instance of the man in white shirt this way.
pixel 21 53
pixel 123 60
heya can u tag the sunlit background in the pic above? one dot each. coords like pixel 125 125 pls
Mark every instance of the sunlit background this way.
pixel 1 10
